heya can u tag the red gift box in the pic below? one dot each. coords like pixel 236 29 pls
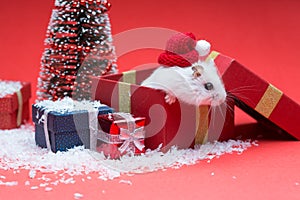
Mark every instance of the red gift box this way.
pixel 259 98
pixel 120 133
pixel 14 108
pixel 167 125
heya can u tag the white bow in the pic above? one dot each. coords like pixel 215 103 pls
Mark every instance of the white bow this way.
pixel 130 137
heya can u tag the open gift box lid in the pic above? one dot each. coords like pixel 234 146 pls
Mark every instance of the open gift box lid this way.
pixel 257 97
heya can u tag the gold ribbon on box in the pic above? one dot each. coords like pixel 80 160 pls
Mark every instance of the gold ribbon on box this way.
pixel 212 55
pixel 269 101
pixel 124 97
pixel 202 124
pixel 128 78
pixel 202 113
pixel 20 107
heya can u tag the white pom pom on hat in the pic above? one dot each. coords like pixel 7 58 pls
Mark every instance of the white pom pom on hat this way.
pixel 203 47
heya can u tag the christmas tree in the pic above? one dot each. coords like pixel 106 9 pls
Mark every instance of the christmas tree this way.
pixel 78 46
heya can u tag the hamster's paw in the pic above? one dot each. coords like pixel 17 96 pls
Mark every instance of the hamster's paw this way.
pixel 169 98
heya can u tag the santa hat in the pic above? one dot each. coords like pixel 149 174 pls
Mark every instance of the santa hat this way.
pixel 183 50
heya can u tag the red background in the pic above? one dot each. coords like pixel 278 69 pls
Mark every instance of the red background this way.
pixel 262 35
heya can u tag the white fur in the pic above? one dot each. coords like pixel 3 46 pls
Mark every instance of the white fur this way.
pixel 180 82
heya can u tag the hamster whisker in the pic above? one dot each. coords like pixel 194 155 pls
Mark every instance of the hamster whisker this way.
pixel 212 110
pixel 222 110
pixel 245 88
pixel 233 96
pixel 240 91
pixel 230 96
pixel 208 114
pixel 209 109
pixel 230 109
pixel 243 97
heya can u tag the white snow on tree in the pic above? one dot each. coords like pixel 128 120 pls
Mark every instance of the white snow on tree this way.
pixel 78 45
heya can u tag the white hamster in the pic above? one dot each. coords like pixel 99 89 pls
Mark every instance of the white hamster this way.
pixel 199 84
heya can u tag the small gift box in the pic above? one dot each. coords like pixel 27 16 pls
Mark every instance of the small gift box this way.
pixel 14 103
pixel 64 124
pixel 120 133
pixel 178 124
pixel 259 98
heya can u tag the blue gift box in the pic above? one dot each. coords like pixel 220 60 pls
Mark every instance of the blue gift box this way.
pixel 66 130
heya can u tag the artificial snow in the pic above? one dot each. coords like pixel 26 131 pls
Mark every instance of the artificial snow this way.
pixel 44 184
pixel 78 195
pixel 19 152
pixel 9 87
pixel 67 104
pixel 126 182
pixel 32 173
pixel 34 187
pixel 48 189
pixel 12 183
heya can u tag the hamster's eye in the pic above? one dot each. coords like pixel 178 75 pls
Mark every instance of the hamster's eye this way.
pixel 208 86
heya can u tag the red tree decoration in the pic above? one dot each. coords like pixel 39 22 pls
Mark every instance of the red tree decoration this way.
pixel 78 46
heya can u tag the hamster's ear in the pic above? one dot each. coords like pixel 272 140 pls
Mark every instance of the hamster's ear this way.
pixel 198 70
pixel 203 47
